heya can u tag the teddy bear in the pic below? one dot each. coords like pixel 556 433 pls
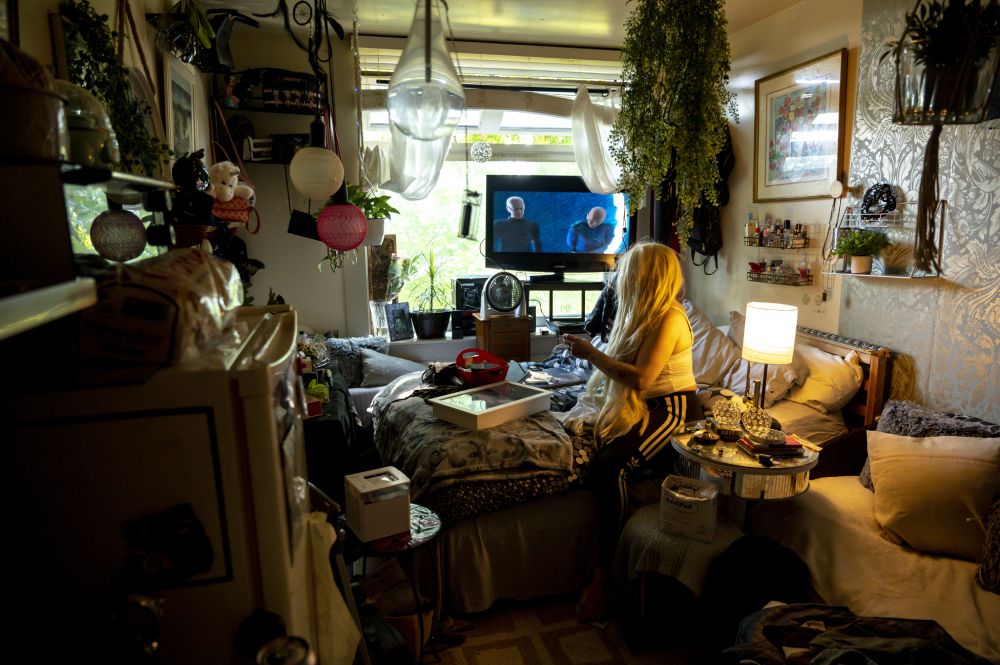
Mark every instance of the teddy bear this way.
pixel 225 184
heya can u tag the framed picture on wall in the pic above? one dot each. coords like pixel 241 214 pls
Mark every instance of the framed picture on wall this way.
pixel 9 22
pixel 180 99
pixel 799 130
pixel 398 316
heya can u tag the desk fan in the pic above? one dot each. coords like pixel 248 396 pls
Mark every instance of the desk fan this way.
pixel 503 295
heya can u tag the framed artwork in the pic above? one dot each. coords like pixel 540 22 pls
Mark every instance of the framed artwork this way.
pixel 799 130
pixel 8 22
pixel 398 316
pixel 180 88
pixel 379 259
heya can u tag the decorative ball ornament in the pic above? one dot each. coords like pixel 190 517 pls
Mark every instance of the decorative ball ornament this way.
pixel 756 421
pixel 726 413
pixel 316 172
pixel 342 227
pixel 481 151
pixel 118 236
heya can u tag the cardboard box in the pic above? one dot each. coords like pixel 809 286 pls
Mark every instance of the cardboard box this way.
pixel 378 503
pixel 689 508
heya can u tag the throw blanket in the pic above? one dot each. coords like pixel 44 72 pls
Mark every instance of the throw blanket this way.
pixel 435 453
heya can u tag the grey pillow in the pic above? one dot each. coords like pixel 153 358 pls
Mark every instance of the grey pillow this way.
pixel 347 352
pixel 380 369
pixel 909 419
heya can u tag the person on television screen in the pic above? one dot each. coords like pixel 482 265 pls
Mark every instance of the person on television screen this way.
pixel 592 234
pixel 516 234
pixel 642 385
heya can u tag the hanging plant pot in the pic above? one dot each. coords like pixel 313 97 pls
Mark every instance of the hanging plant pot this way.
pixel 861 265
pixel 376 231
pixel 944 81
pixel 430 325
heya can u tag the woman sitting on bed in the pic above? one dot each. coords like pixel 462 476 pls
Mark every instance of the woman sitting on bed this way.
pixel 642 384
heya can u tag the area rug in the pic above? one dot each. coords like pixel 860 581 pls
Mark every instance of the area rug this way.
pixel 545 632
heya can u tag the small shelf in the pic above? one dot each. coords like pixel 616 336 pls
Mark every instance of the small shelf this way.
pixel 112 182
pixel 31 309
pixel 776 243
pixel 880 275
pixel 783 280
pixel 264 109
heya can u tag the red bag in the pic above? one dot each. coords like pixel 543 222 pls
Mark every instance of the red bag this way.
pixel 236 210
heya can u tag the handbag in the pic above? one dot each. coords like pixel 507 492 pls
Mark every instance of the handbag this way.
pixel 236 210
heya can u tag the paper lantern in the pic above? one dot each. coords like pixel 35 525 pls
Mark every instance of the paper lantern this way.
pixel 118 236
pixel 316 172
pixel 342 227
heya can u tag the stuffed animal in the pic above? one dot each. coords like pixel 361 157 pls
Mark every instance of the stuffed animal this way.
pixel 224 177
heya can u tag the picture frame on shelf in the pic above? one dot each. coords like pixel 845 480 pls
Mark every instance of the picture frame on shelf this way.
pixel 799 130
pixel 180 99
pixel 398 316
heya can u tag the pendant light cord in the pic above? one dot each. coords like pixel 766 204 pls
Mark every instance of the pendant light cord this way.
pixel 461 76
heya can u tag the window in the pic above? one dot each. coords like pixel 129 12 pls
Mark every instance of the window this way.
pixel 83 205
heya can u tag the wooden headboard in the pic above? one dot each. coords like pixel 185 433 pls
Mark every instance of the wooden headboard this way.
pixel 866 405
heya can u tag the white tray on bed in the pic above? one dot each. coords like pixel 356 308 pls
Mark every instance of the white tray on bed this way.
pixel 490 405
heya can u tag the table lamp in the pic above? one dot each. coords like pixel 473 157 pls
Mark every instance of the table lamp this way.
pixel 769 337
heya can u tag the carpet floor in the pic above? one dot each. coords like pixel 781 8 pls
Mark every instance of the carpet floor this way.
pixel 545 632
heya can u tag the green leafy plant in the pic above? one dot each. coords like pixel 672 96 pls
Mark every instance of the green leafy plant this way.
pixel 95 65
pixel 675 58
pixel 335 259
pixel 936 31
pixel 861 243
pixel 401 270
pixel 273 298
pixel 374 207
pixel 434 287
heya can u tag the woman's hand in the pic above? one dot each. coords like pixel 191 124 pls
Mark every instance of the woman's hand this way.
pixel 580 347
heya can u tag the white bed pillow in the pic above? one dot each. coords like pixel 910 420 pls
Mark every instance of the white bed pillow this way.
pixel 780 378
pixel 831 381
pixel 927 489
pixel 381 369
pixel 714 354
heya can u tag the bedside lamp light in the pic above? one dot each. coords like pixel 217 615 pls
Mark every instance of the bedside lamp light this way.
pixel 769 337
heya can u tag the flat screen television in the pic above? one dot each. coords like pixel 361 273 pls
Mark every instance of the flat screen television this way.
pixel 553 223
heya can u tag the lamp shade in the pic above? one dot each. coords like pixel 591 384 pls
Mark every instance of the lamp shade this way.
pixel 118 236
pixel 425 97
pixel 342 226
pixel 769 335
pixel 316 172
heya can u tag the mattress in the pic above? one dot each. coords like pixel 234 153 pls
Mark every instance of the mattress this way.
pixel 807 422
pixel 833 528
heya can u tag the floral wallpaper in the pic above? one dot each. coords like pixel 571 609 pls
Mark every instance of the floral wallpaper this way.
pixel 945 333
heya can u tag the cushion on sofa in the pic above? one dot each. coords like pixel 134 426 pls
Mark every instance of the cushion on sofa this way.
pixel 380 369
pixel 988 575
pixel 831 381
pixel 348 353
pixel 935 493
pixel 910 419
pixel 714 353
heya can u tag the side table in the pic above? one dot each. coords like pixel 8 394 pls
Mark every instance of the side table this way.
pixel 425 525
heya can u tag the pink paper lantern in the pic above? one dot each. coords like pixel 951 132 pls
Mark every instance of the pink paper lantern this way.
pixel 342 227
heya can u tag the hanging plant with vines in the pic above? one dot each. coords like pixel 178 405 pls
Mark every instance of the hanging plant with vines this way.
pixel 675 59
pixel 95 65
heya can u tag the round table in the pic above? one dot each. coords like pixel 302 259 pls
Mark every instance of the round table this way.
pixel 739 473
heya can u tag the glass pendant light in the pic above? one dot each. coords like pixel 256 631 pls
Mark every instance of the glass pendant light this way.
pixel 425 97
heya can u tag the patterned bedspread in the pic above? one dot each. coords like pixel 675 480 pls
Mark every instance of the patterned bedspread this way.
pixel 491 468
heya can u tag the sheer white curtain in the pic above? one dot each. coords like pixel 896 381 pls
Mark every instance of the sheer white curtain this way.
pixel 591 138
pixel 414 166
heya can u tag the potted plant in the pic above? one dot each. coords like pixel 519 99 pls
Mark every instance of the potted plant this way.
pixel 861 245
pixel 375 208
pixel 430 322
pixel 673 117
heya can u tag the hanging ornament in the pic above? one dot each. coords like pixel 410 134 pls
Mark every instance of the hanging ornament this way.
pixel 481 151
pixel 316 171
pixel 425 97
pixel 118 235
pixel 341 225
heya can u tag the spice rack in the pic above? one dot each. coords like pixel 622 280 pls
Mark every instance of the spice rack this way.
pixel 776 243
pixel 784 280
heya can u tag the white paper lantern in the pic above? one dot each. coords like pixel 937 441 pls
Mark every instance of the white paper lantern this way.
pixel 316 172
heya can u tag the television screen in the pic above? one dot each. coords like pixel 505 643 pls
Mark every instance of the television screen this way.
pixel 546 222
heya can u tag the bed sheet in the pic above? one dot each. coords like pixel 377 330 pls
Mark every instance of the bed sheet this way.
pixel 833 528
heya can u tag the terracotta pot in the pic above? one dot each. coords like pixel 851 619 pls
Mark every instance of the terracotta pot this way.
pixel 861 265
pixel 430 325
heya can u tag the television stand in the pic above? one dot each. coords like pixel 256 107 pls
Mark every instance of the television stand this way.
pixel 552 287
pixel 546 279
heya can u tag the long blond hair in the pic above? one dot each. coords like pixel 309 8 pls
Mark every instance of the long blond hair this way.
pixel 647 281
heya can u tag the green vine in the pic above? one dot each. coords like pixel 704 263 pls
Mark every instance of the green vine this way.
pixel 95 65
pixel 675 59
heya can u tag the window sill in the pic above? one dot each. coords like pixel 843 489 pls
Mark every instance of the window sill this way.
pixel 446 349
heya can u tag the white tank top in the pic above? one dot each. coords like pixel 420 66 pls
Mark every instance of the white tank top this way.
pixel 678 373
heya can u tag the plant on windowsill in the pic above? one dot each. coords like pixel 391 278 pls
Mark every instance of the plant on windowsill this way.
pixel 672 122
pixel 430 322
pixel 861 245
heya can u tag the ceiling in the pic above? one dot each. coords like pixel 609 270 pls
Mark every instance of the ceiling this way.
pixel 579 23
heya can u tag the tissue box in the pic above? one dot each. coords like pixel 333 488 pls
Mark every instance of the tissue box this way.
pixel 377 503
pixel 688 508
